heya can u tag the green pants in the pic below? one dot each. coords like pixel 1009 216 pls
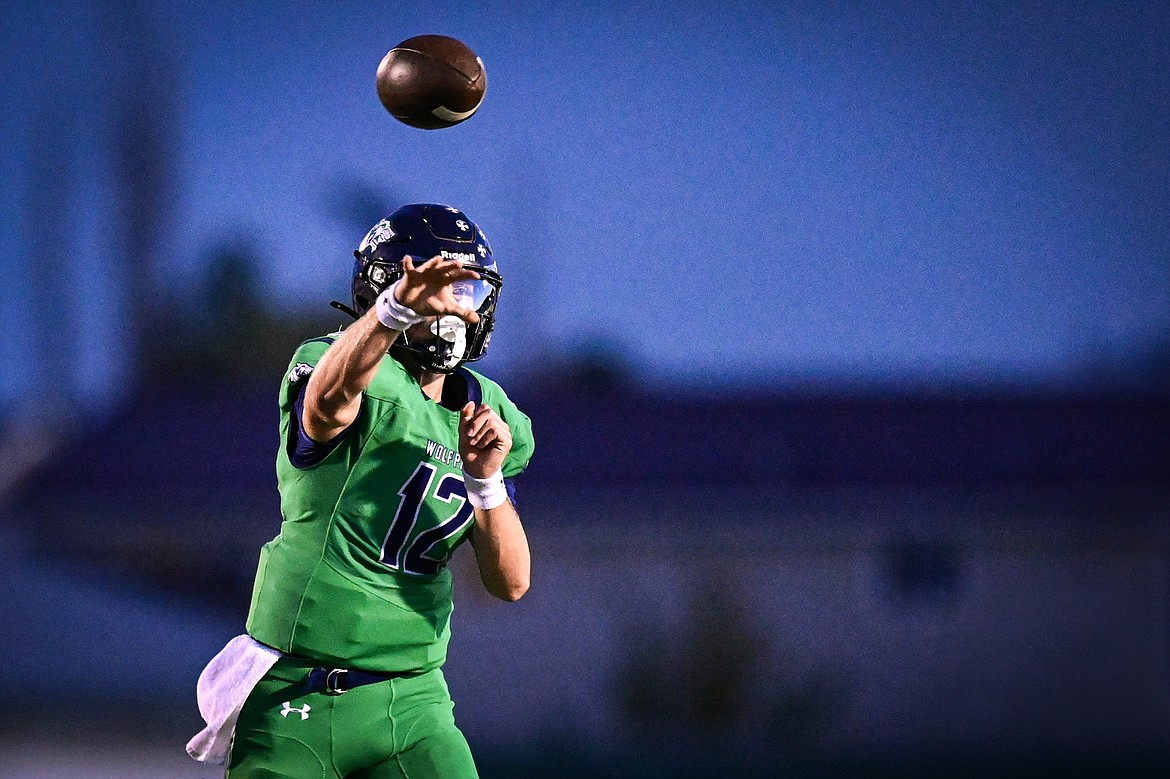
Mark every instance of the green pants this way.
pixel 395 729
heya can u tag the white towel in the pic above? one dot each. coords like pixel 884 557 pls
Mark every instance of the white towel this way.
pixel 224 685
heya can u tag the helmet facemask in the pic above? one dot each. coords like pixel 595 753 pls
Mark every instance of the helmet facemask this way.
pixel 422 231
pixel 443 343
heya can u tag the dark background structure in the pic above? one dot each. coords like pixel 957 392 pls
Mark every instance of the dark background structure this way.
pixel 843 327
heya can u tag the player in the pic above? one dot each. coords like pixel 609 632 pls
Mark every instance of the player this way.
pixel 392 454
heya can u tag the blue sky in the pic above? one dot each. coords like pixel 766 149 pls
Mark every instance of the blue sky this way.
pixel 732 195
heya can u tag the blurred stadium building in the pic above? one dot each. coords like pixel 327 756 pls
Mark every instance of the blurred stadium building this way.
pixel 893 581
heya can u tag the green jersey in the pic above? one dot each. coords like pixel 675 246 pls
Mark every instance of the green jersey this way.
pixel 357 577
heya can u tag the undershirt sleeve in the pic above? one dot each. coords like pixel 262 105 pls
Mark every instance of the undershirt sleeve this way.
pixel 304 452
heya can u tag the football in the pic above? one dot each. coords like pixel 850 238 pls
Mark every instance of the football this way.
pixel 431 82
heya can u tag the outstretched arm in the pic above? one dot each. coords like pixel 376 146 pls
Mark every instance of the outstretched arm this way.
pixel 501 546
pixel 334 394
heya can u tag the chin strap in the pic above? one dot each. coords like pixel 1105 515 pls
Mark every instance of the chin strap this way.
pixel 344 309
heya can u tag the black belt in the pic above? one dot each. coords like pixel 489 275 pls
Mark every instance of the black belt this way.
pixel 335 681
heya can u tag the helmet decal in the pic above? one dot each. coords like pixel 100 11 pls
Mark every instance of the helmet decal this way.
pixel 378 233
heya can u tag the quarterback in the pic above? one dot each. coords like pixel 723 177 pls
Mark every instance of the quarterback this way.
pixel 392 453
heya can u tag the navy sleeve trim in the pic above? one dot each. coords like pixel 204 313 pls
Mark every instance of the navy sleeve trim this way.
pixel 475 395
pixel 474 390
pixel 304 452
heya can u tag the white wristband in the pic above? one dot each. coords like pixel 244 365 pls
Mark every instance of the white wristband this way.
pixel 393 314
pixel 486 493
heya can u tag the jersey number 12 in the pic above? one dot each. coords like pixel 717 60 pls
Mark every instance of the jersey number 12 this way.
pixel 417 557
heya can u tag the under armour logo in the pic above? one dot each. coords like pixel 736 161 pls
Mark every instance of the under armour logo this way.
pixel 289 709
pixel 461 225
pixel 482 250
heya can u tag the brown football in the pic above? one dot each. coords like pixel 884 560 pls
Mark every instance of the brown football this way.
pixel 431 81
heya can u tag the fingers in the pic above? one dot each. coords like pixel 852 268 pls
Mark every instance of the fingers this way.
pixel 484 428
pixel 489 436
pixel 426 266
pixel 439 269
pixel 445 303
pixel 459 273
pixel 480 417
pixel 466 314
pixel 427 287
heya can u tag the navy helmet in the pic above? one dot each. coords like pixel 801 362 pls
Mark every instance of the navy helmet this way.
pixel 423 231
